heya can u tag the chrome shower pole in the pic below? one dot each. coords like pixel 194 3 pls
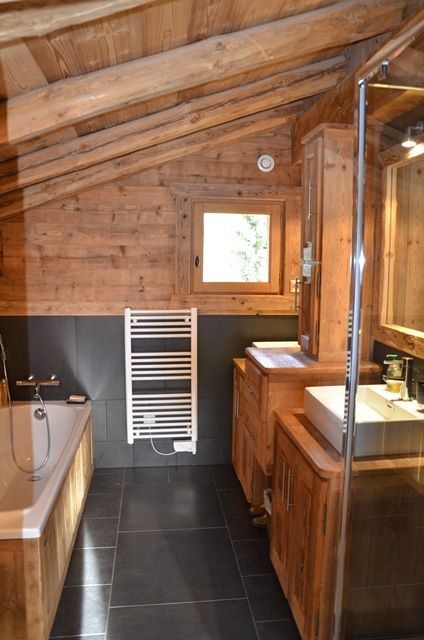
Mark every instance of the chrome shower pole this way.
pixel 353 358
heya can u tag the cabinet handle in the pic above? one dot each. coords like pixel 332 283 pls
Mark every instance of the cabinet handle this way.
pixel 249 388
pixel 290 475
pixel 237 407
pixel 298 284
pixel 283 482
pixel 310 187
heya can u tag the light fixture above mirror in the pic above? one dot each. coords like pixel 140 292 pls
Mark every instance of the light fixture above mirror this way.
pixel 411 134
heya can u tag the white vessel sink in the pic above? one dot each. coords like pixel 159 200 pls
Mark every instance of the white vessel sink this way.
pixel 383 427
pixel 276 344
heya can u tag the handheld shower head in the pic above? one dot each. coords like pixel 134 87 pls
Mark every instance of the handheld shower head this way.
pixel 2 349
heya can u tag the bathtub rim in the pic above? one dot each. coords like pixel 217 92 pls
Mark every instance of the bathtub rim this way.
pixel 32 520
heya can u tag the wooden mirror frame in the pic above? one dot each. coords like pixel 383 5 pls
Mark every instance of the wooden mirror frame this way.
pixel 406 339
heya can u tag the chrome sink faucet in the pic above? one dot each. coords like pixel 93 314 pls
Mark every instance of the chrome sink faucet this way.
pixel 405 387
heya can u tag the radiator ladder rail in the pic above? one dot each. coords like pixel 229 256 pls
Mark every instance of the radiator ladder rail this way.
pixel 161 414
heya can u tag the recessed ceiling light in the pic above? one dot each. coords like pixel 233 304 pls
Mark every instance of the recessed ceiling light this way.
pixel 266 163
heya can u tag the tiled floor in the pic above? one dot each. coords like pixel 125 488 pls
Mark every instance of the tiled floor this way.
pixel 170 554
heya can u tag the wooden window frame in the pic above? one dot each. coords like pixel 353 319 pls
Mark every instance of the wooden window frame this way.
pixel 283 303
pixel 240 206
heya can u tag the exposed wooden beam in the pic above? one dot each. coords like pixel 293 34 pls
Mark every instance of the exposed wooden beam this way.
pixel 28 21
pixel 386 105
pixel 75 99
pixel 337 105
pixel 170 124
pixel 63 186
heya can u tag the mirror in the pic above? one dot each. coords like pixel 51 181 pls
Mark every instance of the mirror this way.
pixel 403 254
pixel 395 148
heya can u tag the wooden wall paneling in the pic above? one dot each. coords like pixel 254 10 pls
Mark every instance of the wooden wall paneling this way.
pixel 114 245
pixel 292 243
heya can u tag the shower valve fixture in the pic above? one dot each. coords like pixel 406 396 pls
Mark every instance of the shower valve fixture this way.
pixel 411 134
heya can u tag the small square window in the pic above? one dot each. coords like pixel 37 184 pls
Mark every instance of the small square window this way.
pixel 236 247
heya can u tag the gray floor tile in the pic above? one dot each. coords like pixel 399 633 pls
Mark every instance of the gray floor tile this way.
pixel 266 598
pixel 97 532
pixel 278 630
pixel 253 557
pixel 177 505
pixel 175 566
pixel 102 505
pixel 200 473
pixel 99 471
pixel 233 500
pixel 139 475
pixel 240 527
pixel 229 620
pixel 106 483
pixel 225 476
pixel 90 566
pixel 81 611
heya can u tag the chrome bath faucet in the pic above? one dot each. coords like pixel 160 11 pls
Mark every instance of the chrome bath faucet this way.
pixel 53 381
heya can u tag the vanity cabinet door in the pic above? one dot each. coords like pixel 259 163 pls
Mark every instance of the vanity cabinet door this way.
pixel 237 407
pixel 304 531
pixel 308 500
pixel 243 438
pixel 281 537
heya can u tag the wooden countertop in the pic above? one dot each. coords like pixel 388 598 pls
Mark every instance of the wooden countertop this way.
pixel 240 364
pixel 292 361
pixel 323 458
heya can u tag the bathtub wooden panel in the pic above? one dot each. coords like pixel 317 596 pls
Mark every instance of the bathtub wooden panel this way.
pixel 33 571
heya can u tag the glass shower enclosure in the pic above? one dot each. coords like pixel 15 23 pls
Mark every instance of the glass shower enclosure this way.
pixel 380 575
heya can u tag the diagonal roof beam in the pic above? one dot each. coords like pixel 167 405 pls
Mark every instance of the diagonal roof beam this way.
pixel 71 183
pixel 75 99
pixel 29 21
pixel 170 124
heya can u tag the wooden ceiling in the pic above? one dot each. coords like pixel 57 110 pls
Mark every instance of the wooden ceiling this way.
pixel 95 89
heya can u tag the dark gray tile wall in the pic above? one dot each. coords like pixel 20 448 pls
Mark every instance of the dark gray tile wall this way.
pixel 87 355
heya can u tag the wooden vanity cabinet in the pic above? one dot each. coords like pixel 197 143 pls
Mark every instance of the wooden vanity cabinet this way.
pixel 327 206
pixel 306 491
pixel 245 439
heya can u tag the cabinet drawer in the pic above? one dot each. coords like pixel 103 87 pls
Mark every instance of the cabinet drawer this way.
pixel 256 389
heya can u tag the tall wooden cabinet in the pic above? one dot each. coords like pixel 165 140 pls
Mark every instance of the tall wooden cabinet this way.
pixel 327 206
pixel 306 488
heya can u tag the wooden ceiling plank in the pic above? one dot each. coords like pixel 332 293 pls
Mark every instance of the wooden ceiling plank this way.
pixel 75 99
pixel 171 124
pixel 28 22
pixel 69 184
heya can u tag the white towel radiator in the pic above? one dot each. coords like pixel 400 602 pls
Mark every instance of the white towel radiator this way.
pixel 161 384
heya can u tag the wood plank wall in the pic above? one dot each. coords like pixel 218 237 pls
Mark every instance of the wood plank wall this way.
pixel 114 246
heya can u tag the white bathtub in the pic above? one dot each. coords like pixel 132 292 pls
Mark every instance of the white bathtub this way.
pixel 26 502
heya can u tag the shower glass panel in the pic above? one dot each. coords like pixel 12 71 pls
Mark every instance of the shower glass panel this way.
pixel 383 572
